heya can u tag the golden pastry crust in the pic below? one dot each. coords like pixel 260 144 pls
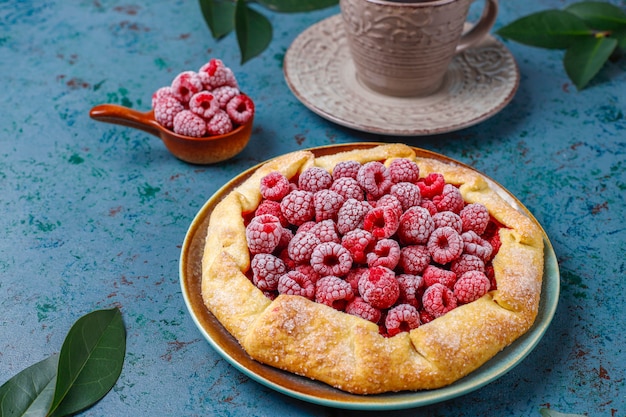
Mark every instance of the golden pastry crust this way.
pixel 347 352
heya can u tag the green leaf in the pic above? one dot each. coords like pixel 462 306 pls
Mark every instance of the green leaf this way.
pixel 620 36
pixel 29 393
pixel 547 412
pixel 90 361
pixel 599 15
pixel 254 31
pixel 219 16
pixel 584 59
pixel 554 29
pixel 292 6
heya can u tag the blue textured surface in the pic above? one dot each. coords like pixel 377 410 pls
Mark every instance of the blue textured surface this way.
pixel 93 215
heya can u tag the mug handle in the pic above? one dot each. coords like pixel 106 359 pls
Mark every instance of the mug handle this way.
pixel 482 28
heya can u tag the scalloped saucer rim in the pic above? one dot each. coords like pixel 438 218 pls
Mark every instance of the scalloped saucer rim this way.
pixel 319 71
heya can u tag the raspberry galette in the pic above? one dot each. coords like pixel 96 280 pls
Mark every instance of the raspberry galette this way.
pixel 372 270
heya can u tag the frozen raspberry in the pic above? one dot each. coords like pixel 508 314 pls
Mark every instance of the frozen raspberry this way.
pixel 348 188
pixel 382 222
pixel 374 179
pixel 491 274
pixel 492 235
pixel 354 276
pixel 306 226
pixel 284 256
pixel 407 193
pixel 448 218
pixel 224 94
pixel 346 169
pixel 425 317
pixel 438 300
pixel 160 93
pixel 411 289
pixel 314 179
pixel 402 318
pixel 414 259
pixel 166 109
pixel 494 241
pixel 334 292
pixel 475 217
pixel 359 243
pixel 266 270
pixel 240 109
pixel 331 258
pixel 431 185
pixel 273 208
pixel 298 207
pixel 190 124
pixel 351 214
pixel 285 237
pixel 271 294
pixel 416 225
pixel 263 234
pixel 308 270
pixel 215 74
pixel 220 124
pixel 296 283
pixel 327 204
pixel 465 263
pixel 403 170
pixel 185 85
pixel 476 245
pixel 274 186
pixel 301 246
pixel 326 231
pixel 379 287
pixel 450 199
pixel 386 253
pixel 429 205
pixel 389 200
pixel 435 275
pixel 471 286
pixel 358 307
pixel 445 245
pixel 204 104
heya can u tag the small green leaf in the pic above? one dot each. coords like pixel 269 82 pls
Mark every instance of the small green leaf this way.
pixel 29 393
pixel 584 59
pixel 219 16
pixel 599 15
pixel 90 361
pixel 254 31
pixel 547 412
pixel 554 29
pixel 293 6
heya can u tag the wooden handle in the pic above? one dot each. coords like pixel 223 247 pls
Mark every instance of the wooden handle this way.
pixel 112 113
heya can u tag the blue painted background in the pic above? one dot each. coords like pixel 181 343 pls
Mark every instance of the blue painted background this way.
pixel 93 215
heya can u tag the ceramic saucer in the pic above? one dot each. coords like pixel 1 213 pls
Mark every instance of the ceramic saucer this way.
pixel 319 71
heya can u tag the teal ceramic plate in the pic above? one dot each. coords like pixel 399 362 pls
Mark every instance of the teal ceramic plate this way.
pixel 320 393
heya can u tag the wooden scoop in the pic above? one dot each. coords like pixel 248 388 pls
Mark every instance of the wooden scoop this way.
pixel 203 151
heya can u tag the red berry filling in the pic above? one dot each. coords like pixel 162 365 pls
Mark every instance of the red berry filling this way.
pixel 373 241
pixel 379 287
pixel 334 292
pixel 274 186
pixel 402 318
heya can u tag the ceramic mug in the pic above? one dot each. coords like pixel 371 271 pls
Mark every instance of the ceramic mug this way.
pixel 403 48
